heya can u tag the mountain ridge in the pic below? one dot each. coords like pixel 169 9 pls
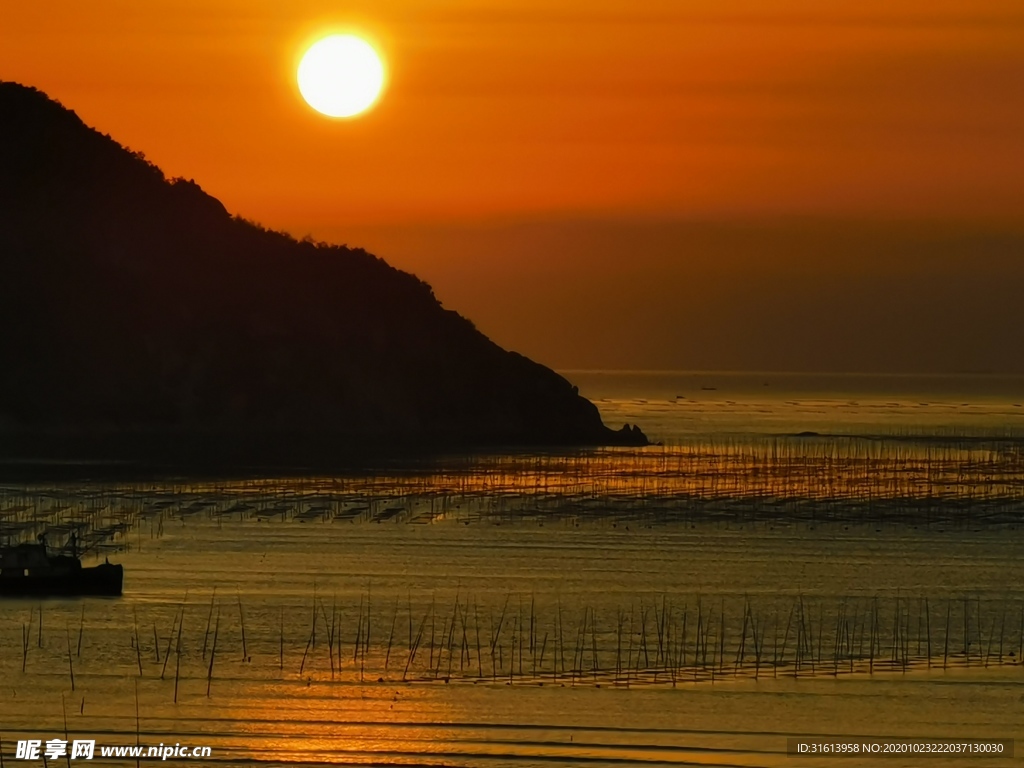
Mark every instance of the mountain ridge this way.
pixel 137 304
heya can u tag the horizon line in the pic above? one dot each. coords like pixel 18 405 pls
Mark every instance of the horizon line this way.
pixel 752 372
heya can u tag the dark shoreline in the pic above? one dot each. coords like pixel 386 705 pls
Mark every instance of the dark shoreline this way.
pixel 142 456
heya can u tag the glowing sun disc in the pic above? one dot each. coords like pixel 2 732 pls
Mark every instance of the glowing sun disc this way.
pixel 340 76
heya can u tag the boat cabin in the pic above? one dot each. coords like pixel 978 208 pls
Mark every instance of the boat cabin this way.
pixel 22 558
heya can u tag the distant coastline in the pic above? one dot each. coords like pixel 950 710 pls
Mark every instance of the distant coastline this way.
pixel 1003 386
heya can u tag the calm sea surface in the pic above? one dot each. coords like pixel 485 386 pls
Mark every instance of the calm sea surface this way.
pixel 828 557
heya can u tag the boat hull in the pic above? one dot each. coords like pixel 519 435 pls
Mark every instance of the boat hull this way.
pixel 105 579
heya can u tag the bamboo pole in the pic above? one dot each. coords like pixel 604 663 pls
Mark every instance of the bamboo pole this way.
pixel 71 666
pixel 213 654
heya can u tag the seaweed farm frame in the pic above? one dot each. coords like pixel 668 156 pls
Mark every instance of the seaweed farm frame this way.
pixel 850 480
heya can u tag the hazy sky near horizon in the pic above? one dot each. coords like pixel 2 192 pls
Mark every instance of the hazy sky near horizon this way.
pixel 787 185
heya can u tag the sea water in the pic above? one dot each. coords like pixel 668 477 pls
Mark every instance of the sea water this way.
pixel 819 557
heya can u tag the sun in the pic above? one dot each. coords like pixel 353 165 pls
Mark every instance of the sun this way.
pixel 341 76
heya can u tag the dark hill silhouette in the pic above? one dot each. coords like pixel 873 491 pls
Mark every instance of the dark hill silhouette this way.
pixel 138 315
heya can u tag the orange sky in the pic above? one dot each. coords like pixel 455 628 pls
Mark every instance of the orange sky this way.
pixel 511 112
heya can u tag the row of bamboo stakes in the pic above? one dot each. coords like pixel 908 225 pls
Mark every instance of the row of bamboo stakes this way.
pixel 819 480
pixel 655 642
